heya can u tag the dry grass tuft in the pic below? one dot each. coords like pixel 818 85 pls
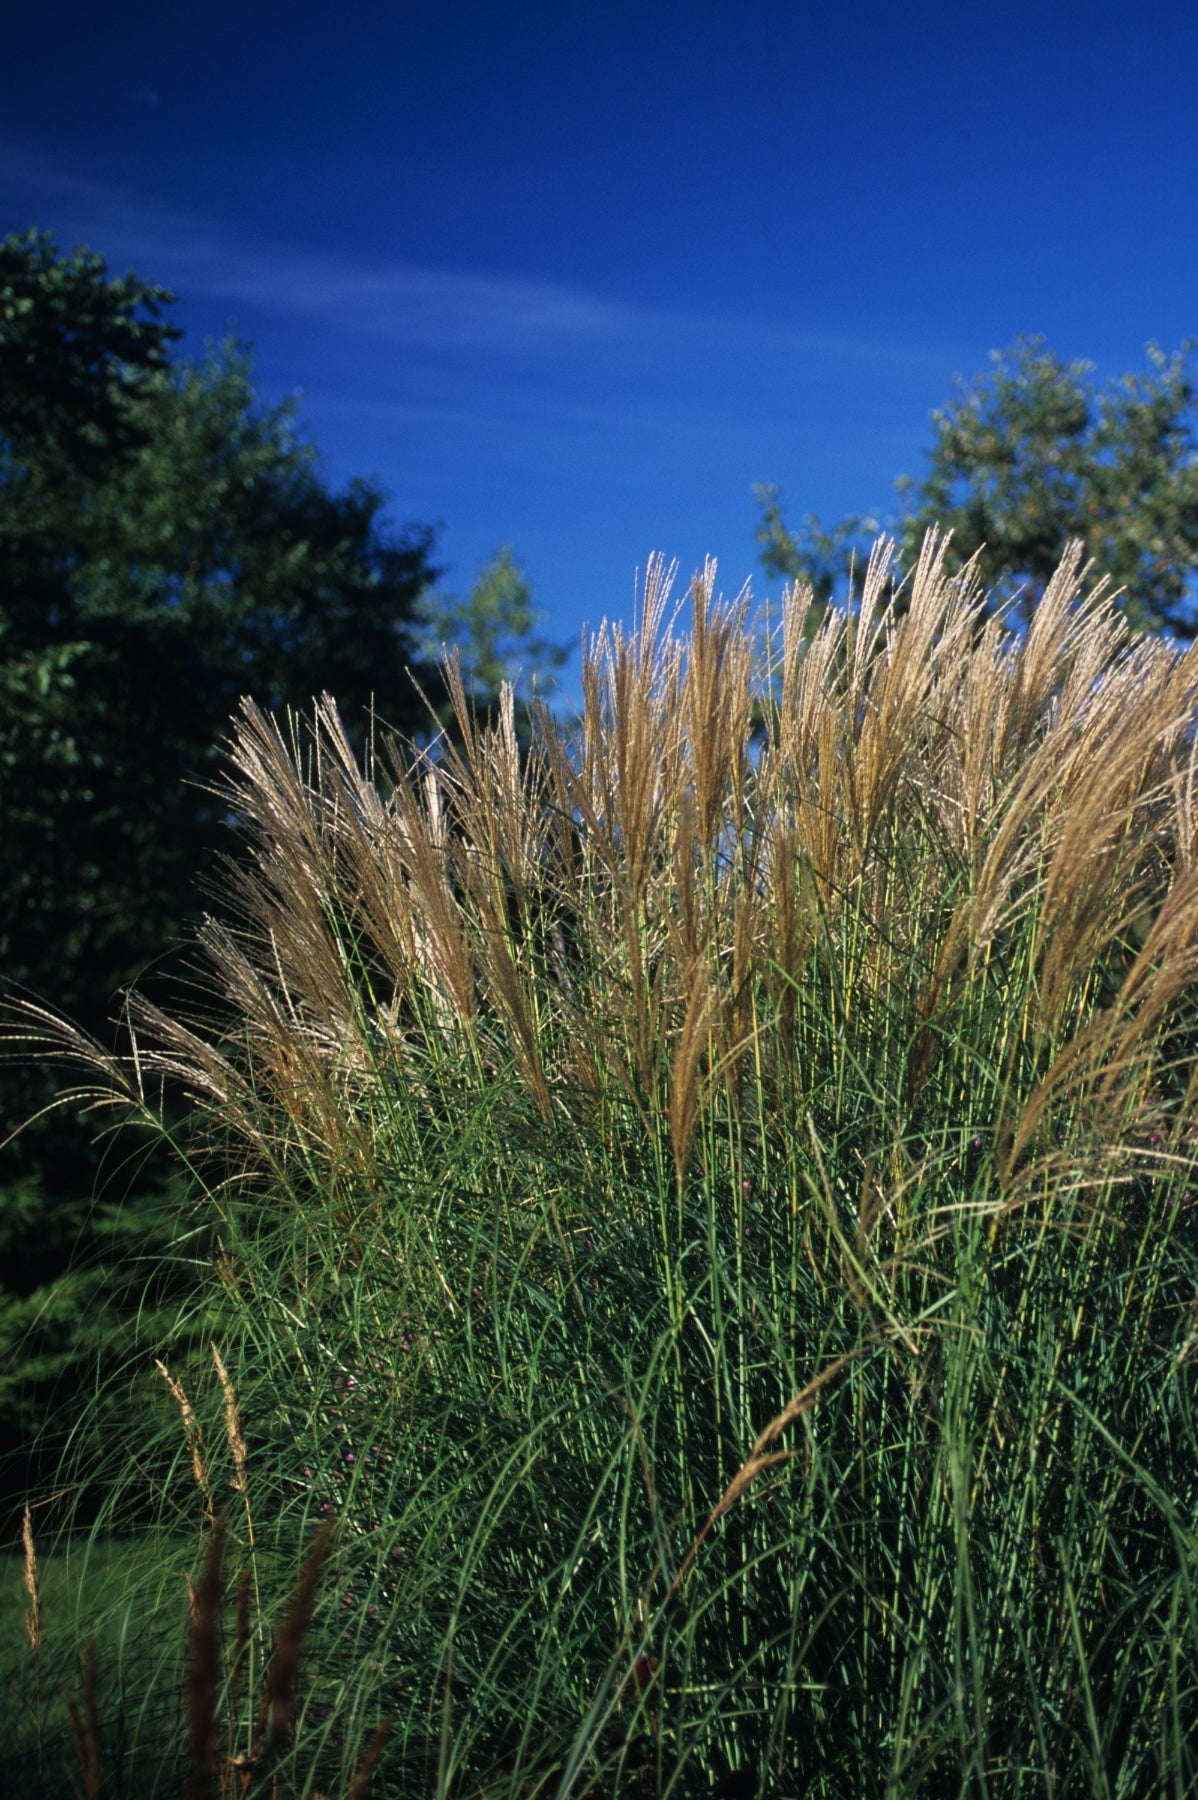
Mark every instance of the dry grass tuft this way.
pixel 193 1436
pixel 33 1618
pixel 212 1773
pixel 236 1442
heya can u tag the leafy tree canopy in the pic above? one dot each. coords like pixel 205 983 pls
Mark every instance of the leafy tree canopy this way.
pixel 1027 457
pixel 74 351
pixel 166 546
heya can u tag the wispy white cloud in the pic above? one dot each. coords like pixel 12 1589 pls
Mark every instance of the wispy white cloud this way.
pixel 405 304
pixel 585 426
pixel 392 300
pixel 417 307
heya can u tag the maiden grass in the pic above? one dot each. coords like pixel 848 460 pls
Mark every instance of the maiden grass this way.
pixel 706 1208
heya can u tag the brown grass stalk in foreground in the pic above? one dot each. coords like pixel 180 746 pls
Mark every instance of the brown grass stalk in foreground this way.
pixel 204 1667
pixel 760 1458
pixel 211 1774
pixel 85 1727
pixel 33 1618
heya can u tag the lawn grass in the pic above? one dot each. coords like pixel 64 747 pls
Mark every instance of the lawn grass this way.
pixel 83 1598
pixel 705 1207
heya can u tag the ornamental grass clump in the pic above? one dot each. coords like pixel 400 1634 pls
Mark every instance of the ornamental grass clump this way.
pixel 706 1206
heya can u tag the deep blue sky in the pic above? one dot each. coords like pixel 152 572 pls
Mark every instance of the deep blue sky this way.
pixel 575 276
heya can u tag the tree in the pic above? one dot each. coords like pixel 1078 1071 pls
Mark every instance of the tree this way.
pixel 494 632
pixel 74 352
pixel 1030 456
pixel 166 546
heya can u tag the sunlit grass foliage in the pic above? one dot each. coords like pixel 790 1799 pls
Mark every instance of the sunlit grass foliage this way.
pixel 706 1208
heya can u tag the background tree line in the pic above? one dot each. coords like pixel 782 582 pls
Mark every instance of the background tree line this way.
pixel 166 546
pixel 1023 459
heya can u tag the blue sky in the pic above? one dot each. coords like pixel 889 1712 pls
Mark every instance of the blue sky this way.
pixel 574 277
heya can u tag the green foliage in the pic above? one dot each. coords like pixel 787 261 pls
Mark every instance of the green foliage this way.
pixel 818 557
pixel 493 631
pixel 1028 458
pixel 74 354
pixel 90 1289
pixel 80 1594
